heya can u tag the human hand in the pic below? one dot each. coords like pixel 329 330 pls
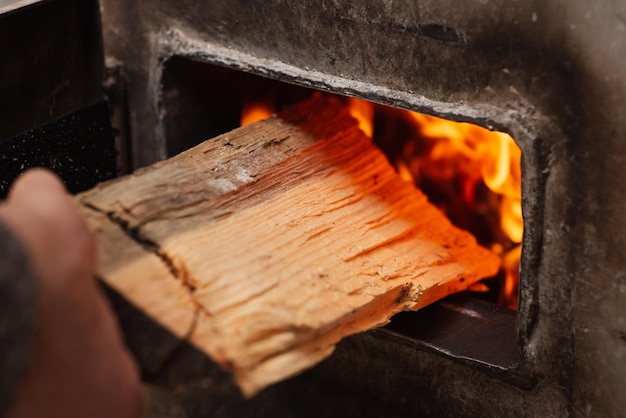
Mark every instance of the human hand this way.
pixel 80 366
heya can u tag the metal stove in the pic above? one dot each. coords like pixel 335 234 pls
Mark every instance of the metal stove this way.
pixel 551 73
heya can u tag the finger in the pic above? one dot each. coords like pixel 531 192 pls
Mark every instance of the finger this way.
pixel 39 189
pixel 47 218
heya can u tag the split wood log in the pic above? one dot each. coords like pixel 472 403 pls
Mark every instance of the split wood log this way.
pixel 265 246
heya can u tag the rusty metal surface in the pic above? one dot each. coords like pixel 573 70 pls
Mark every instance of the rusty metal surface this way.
pixel 552 73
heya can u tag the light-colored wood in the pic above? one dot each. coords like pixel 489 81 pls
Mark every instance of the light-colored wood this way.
pixel 265 246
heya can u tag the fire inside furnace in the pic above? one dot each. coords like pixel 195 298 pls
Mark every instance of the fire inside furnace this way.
pixel 472 174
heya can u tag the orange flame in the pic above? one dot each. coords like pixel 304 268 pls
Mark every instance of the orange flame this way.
pixel 256 111
pixel 511 262
pixel 476 169
pixel 492 154
pixel 363 112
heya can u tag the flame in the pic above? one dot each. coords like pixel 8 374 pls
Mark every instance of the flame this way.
pixel 405 172
pixel 472 171
pixel 363 112
pixel 256 111
pixel 492 154
pixel 510 291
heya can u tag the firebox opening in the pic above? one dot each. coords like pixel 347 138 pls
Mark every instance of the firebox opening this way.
pixel 473 175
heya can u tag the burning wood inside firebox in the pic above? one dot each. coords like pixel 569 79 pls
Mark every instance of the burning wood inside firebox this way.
pixel 471 174
pixel 265 246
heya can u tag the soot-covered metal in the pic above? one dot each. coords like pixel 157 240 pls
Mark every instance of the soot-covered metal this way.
pixel 551 73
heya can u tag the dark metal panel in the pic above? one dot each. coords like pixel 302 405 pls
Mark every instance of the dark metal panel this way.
pixel 52 62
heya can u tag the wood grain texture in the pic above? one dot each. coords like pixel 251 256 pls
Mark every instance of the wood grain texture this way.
pixel 265 246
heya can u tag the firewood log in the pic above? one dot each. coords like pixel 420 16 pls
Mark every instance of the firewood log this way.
pixel 265 246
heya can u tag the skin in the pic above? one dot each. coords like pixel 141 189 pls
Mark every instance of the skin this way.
pixel 80 366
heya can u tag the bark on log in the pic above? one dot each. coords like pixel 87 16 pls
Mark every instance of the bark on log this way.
pixel 265 246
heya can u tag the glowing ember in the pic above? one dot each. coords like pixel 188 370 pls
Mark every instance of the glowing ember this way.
pixel 471 173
